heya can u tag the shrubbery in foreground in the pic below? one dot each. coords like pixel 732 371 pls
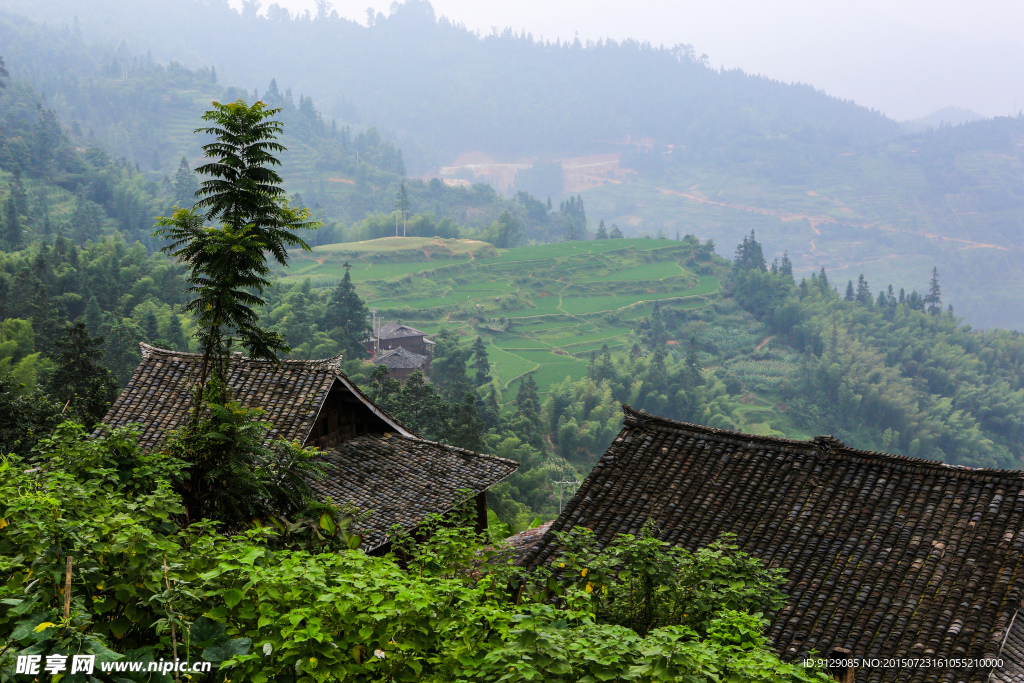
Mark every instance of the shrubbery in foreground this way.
pixel 296 605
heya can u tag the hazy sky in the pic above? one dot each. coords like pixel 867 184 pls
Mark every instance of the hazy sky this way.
pixel 906 58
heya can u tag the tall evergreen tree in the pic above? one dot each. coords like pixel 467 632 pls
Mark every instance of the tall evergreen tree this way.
pixel 863 295
pixel 602 232
pixel 749 255
pixel 933 300
pixel 786 267
pixel 93 316
pixel 77 377
pixel 150 326
pixel 185 184
pixel 850 296
pixel 12 225
pixel 175 334
pixel 346 318
pixel 481 363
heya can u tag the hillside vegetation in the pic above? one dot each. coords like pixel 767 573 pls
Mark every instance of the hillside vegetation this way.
pixel 541 309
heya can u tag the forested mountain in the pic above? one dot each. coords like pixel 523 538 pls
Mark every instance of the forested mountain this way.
pixel 452 90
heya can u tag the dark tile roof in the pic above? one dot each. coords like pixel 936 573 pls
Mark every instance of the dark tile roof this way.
pixel 404 479
pixel 395 330
pixel 1012 670
pixel 291 392
pixel 887 556
pixel 525 541
pixel 399 358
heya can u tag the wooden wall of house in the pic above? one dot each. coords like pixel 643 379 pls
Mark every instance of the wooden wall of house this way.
pixel 343 416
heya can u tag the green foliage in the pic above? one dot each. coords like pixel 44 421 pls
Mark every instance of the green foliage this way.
pixel 345 318
pixel 228 449
pixel 78 380
pixel 266 608
pixel 228 264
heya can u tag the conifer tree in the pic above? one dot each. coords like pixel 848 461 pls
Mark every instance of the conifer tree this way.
pixel 12 225
pixel 933 300
pixel 786 266
pixel 93 316
pixel 850 296
pixel 602 232
pixel 77 377
pixel 615 233
pixel 863 295
pixel 175 334
pixel 481 363
pixel 346 318
pixel 150 326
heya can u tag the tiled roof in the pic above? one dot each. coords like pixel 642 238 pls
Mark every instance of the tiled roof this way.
pixel 399 358
pixel 525 541
pixel 887 556
pixel 395 330
pixel 291 392
pixel 404 479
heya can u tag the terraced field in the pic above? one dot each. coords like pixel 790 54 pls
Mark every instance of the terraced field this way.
pixel 540 309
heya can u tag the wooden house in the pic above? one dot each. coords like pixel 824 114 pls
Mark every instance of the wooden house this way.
pixel 395 335
pixel 376 463
pixel 889 558
pixel 401 363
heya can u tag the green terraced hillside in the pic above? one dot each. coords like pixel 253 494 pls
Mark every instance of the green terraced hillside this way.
pixel 541 309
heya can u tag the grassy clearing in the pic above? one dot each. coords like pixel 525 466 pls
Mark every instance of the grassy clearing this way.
pixel 571 296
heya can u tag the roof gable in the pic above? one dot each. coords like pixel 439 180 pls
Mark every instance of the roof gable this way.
pixel 395 330
pixel 399 358
pixel 292 392
pixel 888 556
pixel 403 479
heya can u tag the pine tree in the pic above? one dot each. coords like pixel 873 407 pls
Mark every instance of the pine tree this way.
pixel 12 225
pixel 150 326
pixel 481 363
pixel 934 297
pixel 849 291
pixel 786 267
pixel 465 429
pixel 345 318
pixel 78 378
pixel 175 334
pixel 602 232
pixel 615 233
pixel 694 376
pixel 93 316
pixel 749 255
pixel 863 296
pixel 185 184
pixel 823 281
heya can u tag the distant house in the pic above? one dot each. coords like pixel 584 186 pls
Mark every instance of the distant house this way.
pixel 401 363
pixel 377 464
pixel 395 335
pixel 888 557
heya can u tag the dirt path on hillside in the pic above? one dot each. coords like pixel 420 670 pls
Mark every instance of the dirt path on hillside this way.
pixel 763 342
pixel 819 219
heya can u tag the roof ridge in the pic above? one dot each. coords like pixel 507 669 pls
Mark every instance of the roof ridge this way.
pixel 823 444
pixel 333 362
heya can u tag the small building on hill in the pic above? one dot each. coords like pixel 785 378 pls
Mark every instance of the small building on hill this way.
pixel 401 363
pixel 375 462
pixel 395 335
pixel 888 557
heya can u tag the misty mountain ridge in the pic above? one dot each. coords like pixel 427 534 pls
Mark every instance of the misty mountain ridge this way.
pixel 947 116
pixel 448 90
